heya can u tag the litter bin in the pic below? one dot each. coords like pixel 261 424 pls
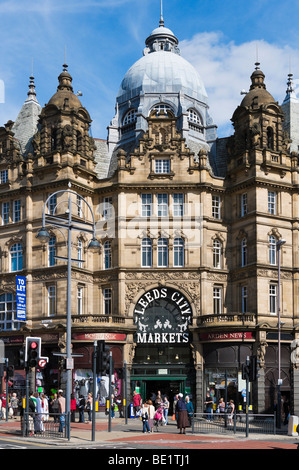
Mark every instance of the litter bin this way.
pixel 292 427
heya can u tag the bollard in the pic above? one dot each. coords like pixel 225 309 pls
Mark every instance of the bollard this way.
pixel 292 427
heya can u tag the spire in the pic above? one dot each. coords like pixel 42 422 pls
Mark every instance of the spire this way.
pixel 31 93
pixel 290 92
pixel 65 80
pixel 161 22
pixel 257 78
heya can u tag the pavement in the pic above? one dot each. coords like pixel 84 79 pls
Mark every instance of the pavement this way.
pixel 122 435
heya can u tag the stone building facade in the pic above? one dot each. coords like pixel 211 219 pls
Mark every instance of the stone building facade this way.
pixel 185 285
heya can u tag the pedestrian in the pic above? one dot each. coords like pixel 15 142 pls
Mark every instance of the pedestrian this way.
pixel 38 414
pixel 14 403
pixel 81 407
pixel 73 408
pixel 112 406
pixel 230 411
pixel 158 400
pixel 286 410
pixel 54 404
pixel 221 407
pixel 165 409
pixel 145 418
pixel 181 409
pixel 61 401
pixel 3 409
pixel 32 409
pixel 209 407
pixel 89 407
pixel 175 415
pixel 137 401
pixel 151 414
pixel 45 408
pixel 189 410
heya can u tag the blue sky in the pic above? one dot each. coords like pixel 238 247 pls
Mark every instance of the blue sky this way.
pixel 102 39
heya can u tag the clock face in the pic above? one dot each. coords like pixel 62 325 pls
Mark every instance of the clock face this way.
pixel 162 310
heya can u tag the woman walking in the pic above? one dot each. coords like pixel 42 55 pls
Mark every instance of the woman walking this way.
pixel 181 409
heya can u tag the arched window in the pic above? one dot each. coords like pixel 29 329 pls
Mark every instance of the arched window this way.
pixel 244 252
pixel 178 252
pixel 217 253
pixel 195 121
pixel 130 117
pixel 107 255
pixel 161 107
pixel 16 257
pixel 52 251
pixel 272 250
pixel 146 253
pixel 53 139
pixel 270 138
pixel 79 142
pixel 162 246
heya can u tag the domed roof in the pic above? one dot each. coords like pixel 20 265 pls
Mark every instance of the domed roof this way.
pixel 257 95
pixel 65 95
pixel 162 72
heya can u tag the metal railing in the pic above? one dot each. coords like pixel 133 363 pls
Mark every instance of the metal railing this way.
pixel 224 423
pixel 53 425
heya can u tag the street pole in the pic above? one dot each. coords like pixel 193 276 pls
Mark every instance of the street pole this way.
pixel 110 373
pixel 247 396
pixel 6 390
pixel 278 246
pixel 69 321
pixel 95 352
pixel 125 401
pixel 59 221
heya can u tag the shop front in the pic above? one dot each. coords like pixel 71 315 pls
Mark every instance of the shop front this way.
pixel 163 359
pixel 223 367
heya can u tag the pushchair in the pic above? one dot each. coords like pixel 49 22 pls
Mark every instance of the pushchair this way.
pixel 159 419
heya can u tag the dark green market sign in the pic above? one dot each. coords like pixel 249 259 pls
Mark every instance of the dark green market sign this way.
pixel 162 315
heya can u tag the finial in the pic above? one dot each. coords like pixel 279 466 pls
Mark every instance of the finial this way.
pixel 257 66
pixel 161 22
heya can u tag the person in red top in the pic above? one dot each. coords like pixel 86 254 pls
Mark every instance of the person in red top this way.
pixel 136 402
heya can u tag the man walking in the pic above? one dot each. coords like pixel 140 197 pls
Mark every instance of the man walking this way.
pixel 61 402
pixel 136 402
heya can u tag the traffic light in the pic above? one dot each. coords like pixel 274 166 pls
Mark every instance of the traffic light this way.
pixel 10 371
pixel 21 359
pixel 245 371
pixel 32 351
pixel 102 362
pixel 253 368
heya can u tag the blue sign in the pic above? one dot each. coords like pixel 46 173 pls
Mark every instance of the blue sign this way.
pixel 21 297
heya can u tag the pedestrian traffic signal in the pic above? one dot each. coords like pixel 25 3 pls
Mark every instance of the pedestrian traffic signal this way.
pixel 32 351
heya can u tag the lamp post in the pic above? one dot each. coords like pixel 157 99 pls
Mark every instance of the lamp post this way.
pixel 65 221
pixel 279 381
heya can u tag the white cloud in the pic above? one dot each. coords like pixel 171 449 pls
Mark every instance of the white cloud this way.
pixel 226 67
